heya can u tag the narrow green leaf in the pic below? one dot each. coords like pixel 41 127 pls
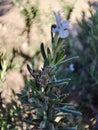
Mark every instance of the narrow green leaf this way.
pixel 43 51
pixel 52 96
pixel 43 124
pixel 49 55
pixel 63 96
pixel 59 82
pixel 70 111
pixel 69 128
pixel 32 100
pixel 62 114
pixel 59 44
pixel 67 60
pixel 30 70
pixel 67 104
pixel 60 59
pixel 45 106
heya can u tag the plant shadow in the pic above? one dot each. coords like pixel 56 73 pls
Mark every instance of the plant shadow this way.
pixel 5 6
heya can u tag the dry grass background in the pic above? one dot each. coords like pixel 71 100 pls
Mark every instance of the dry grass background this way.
pixel 11 22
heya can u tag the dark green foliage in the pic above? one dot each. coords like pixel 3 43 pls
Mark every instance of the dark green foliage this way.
pixel 9 113
pixel 85 74
pixel 44 94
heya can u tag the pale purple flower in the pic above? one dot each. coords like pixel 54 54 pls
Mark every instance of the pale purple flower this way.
pixel 71 67
pixel 61 26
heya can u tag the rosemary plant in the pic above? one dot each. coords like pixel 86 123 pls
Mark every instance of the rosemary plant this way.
pixel 46 93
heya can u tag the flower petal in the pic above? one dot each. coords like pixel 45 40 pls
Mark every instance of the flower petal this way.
pixel 65 24
pixel 63 33
pixel 58 17
pixel 61 26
